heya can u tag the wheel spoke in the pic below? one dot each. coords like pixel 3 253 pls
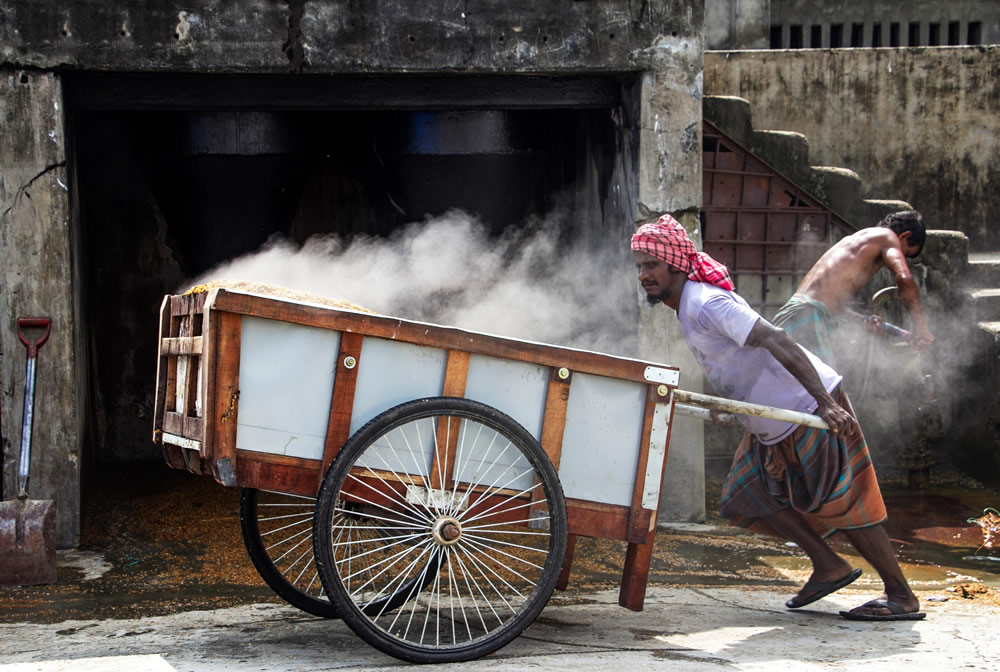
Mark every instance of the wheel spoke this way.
pixel 445 573
pixel 278 530
pixel 392 495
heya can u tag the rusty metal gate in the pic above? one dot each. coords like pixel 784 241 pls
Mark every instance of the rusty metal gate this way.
pixel 764 228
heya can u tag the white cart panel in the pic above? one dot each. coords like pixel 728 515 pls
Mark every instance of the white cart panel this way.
pixel 600 446
pixel 392 372
pixel 286 386
pixel 516 388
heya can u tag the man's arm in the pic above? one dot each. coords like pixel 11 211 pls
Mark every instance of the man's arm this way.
pixel 785 350
pixel 909 292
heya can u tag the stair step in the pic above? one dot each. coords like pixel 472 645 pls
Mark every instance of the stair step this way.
pixel 987 304
pixel 877 209
pixel 784 147
pixel 838 185
pixel 838 189
pixel 984 269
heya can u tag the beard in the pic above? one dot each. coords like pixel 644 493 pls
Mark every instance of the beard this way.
pixel 653 300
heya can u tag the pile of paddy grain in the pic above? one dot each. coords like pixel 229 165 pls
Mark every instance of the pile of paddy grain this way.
pixel 278 292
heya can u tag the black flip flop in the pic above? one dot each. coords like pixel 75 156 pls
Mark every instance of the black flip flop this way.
pixel 899 612
pixel 822 589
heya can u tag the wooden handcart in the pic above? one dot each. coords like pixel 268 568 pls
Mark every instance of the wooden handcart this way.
pixel 424 483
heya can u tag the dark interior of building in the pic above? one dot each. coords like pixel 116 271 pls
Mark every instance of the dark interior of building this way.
pixel 173 176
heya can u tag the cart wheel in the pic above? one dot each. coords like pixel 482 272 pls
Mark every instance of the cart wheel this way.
pixel 472 525
pixel 277 531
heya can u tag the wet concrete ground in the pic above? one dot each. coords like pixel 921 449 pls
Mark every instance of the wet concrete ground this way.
pixel 162 574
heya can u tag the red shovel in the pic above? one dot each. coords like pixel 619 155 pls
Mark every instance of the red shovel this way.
pixel 27 526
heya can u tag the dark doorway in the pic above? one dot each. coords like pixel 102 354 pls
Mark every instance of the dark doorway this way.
pixel 175 175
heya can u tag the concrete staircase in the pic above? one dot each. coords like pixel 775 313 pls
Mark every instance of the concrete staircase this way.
pixel 983 285
pixel 983 278
pixel 961 290
pixel 982 282
pixel 838 189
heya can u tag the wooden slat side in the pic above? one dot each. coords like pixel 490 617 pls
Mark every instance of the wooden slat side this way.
pixel 342 404
pixel 194 428
pixel 554 420
pixel 602 521
pixel 193 461
pixel 294 476
pixel 173 423
pixel 563 581
pixel 223 389
pixel 180 346
pixel 553 424
pixel 597 507
pixel 642 523
pixel 666 456
pixel 185 304
pixel 174 456
pixel 280 460
pixel 191 411
pixel 639 525
pixel 161 376
pixel 639 519
pixel 173 330
pixel 183 377
pixel 456 374
pixel 449 338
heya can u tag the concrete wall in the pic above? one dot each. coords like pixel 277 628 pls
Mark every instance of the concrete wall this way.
pixel 822 24
pixel 873 22
pixel 343 36
pixel 36 280
pixel 737 24
pixel 918 125
pixel 39 40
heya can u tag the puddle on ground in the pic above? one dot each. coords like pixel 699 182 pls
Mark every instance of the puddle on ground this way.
pixel 936 545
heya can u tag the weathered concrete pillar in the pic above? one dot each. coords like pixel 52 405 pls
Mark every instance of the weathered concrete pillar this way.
pixel 670 181
pixel 36 280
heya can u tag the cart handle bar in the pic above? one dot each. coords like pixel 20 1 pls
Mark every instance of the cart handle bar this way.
pixel 40 322
pixel 695 404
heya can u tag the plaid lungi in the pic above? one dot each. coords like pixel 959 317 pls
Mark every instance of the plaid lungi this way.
pixel 830 481
pixel 810 324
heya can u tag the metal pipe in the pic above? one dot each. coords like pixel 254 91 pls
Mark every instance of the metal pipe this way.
pixel 704 401
pixel 703 414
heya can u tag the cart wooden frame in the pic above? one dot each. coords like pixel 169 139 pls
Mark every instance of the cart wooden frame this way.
pixel 602 421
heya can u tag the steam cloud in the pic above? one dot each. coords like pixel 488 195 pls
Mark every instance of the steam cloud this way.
pixel 531 283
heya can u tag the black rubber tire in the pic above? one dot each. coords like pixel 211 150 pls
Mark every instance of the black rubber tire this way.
pixel 285 560
pixel 500 527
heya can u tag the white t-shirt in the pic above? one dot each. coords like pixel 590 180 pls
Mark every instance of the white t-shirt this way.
pixel 715 324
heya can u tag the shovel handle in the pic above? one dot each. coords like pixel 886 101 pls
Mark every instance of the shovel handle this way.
pixel 29 395
pixel 39 322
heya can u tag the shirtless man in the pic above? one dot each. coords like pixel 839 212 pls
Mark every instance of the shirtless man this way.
pixel 847 267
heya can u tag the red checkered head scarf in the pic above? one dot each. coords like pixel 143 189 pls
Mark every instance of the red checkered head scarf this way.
pixel 668 241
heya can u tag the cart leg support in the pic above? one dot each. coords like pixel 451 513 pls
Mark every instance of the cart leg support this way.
pixel 636 575
pixel 563 579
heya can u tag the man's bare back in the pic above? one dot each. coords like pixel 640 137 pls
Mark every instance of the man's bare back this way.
pixel 851 263
pixel 848 266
